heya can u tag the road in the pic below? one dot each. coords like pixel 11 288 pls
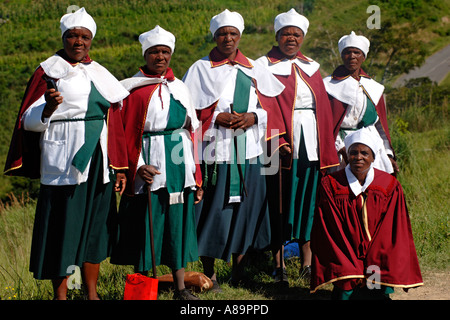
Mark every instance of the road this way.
pixel 436 67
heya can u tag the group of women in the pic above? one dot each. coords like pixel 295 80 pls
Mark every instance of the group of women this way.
pixel 198 150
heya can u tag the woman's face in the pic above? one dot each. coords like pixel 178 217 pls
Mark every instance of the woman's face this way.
pixel 158 59
pixel 360 157
pixel 227 40
pixel 77 43
pixel 352 58
pixel 290 40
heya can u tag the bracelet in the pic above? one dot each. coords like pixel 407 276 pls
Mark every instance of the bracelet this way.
pixel 256 117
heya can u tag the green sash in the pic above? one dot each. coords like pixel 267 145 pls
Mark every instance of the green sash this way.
pixel 240 105
pixel 369 118
pixel 94 120
pixel 175 171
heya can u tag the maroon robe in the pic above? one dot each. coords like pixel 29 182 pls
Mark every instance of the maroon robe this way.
pixel 339 109
pixel 132 118
pixel 345 241
pixel 280 113
pixel 23 157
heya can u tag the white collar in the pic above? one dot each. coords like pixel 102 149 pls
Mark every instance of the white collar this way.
pixel 353 182
pixel 284 67
pixel 108 86
pixel 207 83
pixel 346 90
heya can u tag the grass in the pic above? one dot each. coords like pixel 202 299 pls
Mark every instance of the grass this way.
pixel 424 176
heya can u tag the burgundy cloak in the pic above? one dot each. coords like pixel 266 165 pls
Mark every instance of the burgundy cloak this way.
pixel 280 113
pixel 346 240
pixel 340 109
pixel 23 157
pixel 131 121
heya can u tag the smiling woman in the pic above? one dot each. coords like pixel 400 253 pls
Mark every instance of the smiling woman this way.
pixel 361 226
pixel 64 129
pixel 77 43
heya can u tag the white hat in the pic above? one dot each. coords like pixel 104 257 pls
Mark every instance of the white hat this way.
pixel 291 19
pixel 157 36
pixel 352 40
pixel 79 18
pixel 226 19
pixel 364 136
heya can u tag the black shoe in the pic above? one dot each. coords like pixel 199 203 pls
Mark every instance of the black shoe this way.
pixel 216 288
pixel 184 294
pixel 281 275
pixel 305 273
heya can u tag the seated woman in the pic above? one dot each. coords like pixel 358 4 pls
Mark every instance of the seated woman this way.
pixel 361 230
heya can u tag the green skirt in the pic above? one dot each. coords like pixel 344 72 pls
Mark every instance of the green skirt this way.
pixel 73 224
pixel 175 235
pixel 299 190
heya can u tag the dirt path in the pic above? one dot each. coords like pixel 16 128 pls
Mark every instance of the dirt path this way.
pixel 436 287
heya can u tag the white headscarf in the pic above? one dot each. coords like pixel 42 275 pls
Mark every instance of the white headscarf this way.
pixel 226 19
pixel 366 137
pixel 79 18
pixel 157 36
pixel 352 40
pixel 291 19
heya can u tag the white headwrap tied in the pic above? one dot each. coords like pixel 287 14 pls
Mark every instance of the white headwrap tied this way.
pixel 157 37
pixel 366 137
pixel 226 19
pixel 291 19
pixel 352 40
pixel 79 18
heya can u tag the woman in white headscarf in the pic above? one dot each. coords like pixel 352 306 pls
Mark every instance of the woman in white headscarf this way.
pixel 303 119
pixel 225 86
pixel 357 101
pixel 361 237
pixel 63 137
pixel 158 119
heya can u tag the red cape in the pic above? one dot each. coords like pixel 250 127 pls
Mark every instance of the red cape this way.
pixel 130 120
pixel 342 249
pixel 280 112
pixel 23 157
pixel 339 108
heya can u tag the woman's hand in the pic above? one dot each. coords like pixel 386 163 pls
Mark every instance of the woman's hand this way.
pixel 394 165
pixel 198 195
pixel 121 182
pixel 343 153
pixel 236 120
pixel 285 150
pixel 147 172
pixel 53 99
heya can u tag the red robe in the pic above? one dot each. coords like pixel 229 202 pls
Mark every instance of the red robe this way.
pixel 280 112
pixel 131 121
pixel 340 109
pixel 345 241
pixel 23 157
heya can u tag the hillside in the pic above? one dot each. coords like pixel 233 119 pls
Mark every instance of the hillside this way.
pixel 30 33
